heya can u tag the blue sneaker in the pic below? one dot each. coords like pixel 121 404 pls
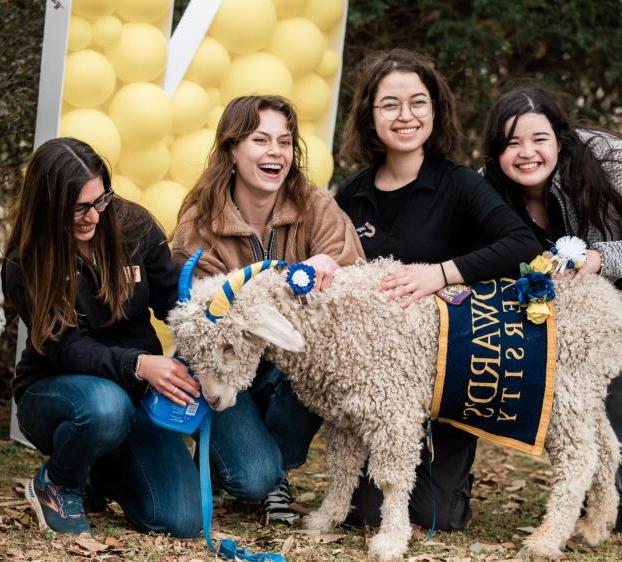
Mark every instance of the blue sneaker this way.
pixel 57 508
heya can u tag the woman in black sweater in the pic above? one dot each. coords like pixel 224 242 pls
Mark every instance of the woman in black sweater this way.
pixel 443 221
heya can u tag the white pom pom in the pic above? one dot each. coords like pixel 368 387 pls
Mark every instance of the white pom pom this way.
pixel 300 278
pixel 571 248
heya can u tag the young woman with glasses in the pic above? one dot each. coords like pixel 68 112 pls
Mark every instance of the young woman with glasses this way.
pixel 442 220
pixel 83 267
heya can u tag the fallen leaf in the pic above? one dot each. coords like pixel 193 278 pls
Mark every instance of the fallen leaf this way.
pixel 111 541
pixel 478 547
pixel 295 506
pixel 91 545
pixel 516 485
pixel 526 529
pixel 325 539
pixel 307 497
pixel 289 543
pixel 423 558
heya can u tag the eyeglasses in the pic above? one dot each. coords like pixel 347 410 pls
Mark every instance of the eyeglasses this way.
pixel 391 110
pixel 99 205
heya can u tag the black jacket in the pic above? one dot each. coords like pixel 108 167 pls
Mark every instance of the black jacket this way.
pixel 448 212
pixel 93 348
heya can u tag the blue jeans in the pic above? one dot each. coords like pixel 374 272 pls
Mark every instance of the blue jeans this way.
pixel 267 432
pixel 89 426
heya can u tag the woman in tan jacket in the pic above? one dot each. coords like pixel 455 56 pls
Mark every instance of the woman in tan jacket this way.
pixel 253 203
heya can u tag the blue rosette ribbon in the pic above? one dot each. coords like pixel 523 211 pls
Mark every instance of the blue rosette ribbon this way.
pixel 301 278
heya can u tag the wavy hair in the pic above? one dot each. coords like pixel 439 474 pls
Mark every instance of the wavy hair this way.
pixel 583 178
pixel 239 119
pixel 42 237
pixel 360 143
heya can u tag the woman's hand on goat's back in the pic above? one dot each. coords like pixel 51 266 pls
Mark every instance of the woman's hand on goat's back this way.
pixel 325 268
pixel 169 377
pixel 413 281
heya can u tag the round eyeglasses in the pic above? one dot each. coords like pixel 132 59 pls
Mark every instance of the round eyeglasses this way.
pixel 391 110
pixel 99 205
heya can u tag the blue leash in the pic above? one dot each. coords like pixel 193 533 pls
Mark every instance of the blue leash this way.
pixel 227 550
pixel 430 445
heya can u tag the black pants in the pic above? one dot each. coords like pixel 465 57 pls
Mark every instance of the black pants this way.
pixel 449 490
pixel 614 411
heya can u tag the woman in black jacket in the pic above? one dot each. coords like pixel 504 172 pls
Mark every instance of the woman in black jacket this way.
pixel 443 221
pixel 83 268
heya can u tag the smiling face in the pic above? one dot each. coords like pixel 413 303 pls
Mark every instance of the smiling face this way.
pixel 86 224
pixel 405 132
pixel 263 159
pixel 530 157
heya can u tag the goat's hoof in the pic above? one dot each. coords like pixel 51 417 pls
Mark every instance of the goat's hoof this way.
pixel 540 548
pixel 316 520
pixel 591 533
pixel 389 546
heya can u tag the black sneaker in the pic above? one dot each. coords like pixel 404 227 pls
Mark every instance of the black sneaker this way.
pixel 276 505
pixel 57 508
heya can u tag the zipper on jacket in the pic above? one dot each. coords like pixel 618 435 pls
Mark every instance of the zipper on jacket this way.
pixel 259 252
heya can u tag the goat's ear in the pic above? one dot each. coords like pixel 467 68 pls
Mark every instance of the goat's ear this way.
pixel 273 327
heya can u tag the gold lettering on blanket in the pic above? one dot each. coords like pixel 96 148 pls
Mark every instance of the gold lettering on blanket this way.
pixel 486 384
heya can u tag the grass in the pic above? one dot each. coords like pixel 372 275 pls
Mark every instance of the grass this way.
pixel 508 498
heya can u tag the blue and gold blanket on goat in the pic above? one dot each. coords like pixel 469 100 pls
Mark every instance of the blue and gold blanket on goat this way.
pixel 496 369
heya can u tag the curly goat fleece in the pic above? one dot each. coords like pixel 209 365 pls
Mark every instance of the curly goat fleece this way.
pixel 368 369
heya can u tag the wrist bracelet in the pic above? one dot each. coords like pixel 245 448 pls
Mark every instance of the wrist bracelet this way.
pixel 444 274
pixel 137 368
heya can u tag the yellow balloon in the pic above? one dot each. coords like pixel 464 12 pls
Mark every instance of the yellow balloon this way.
pixel 311 97
pixel 214 95
pixel 319 161
pixel 191 107
pixel 140 53
pixel 80 34
pixel 107 31
pixel 328 65
pixel 94 8
pixel 299 44
pixel 306 128
pixel 189 155
pixel 210 64
pixel 142 113
pixel 244 26
pixel 326 14
pixel 126 188
pixel 259 73
pixel 89 79
pixel 163 200
pixel 143 10
pixel 94 128
pixel 214 116
pixel 289 8
pixel 166 337
pixel 145 166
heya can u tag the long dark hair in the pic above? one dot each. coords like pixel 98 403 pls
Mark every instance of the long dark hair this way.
pixel 583 178
pixel 360 143
pixel 42 237
pixel 239 119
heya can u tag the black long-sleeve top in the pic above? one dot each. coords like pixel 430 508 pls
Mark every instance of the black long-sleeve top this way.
pixel 447 212
pixel 94 348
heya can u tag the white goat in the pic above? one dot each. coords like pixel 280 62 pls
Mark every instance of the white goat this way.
pixel 367 366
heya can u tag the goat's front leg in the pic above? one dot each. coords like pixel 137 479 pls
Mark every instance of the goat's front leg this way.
pixel 393 463
pixel 345 457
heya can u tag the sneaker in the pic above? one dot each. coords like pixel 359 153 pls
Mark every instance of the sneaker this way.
pixel 57 508
pixel 276 505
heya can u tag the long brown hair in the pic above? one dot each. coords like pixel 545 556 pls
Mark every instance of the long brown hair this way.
pixel 43 241
pixel 582 175
pixel 239 119
pixel 360 143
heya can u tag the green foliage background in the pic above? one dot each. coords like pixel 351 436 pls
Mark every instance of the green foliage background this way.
pixel 481 46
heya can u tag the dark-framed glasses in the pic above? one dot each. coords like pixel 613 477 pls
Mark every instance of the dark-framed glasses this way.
pixel 391 110
pixel 99 205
